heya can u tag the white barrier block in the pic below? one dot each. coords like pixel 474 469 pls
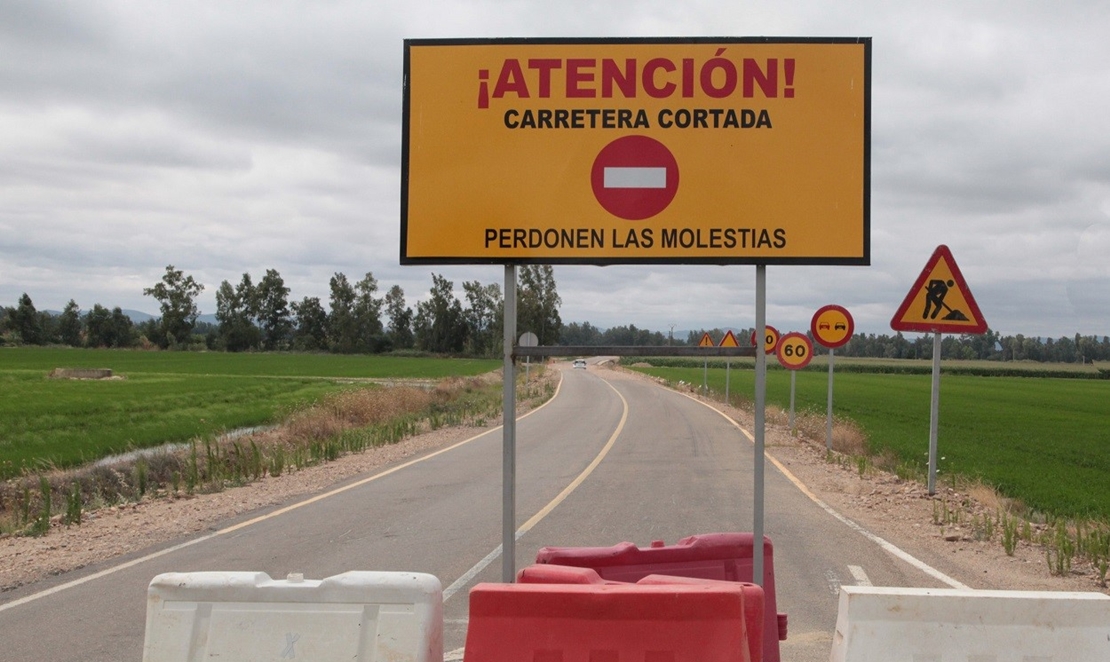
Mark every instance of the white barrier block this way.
pixel 891 624
pixel 248 617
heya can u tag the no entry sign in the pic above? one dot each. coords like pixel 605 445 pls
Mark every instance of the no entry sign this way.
pixel 594 151
pixel 634 177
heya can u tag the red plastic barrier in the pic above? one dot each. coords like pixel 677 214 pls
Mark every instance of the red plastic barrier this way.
pixel 720 556
pixel 565 574
pixel 753 606
pixel 606 623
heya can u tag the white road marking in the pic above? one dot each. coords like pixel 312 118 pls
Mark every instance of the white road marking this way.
pixel 890 548
pixel 635 177
pixel 834 582
pixel 242 525
pixel 859 575
pixel 469 575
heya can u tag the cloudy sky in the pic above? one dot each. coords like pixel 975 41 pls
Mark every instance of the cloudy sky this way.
pixel 231 137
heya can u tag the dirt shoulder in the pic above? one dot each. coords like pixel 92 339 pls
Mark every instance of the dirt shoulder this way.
pixel 898 511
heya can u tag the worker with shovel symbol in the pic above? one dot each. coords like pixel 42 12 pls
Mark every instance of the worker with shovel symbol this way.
pixel 935 292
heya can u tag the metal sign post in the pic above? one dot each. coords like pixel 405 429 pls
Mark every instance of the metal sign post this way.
pixel 508 453
pixel 938 302
pixel 760 421
pixel 832 326
pixel 795 352
pixel 934 415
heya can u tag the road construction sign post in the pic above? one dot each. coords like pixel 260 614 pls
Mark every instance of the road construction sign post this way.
pixel 637 151
pixel 729 340
pixel 832 326
pixel 706 341
pixel 939 302
pixel 795 351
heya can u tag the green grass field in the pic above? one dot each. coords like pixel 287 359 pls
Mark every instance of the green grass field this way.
pixel 1044 441
pixel 168 397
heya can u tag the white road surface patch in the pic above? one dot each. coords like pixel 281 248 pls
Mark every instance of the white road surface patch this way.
pixel 859 575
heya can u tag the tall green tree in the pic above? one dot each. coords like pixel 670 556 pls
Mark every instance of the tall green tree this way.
pixel 104 328
pixel 234 307
pixel 26 322
pixel 176 294
pixel 70 325
pixel 342 325
pixel 99 329
pixel 538 303
pixel 274 318
pixel 310 333
pixel 483 318
pixel 439 325
pixel 368 315
pixel 400 318
pixel 123 329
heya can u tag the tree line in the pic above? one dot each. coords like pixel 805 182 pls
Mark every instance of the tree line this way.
pixel 251 316
pixel 360 318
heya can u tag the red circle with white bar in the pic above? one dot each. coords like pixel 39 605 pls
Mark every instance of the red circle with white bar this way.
pixel 634 177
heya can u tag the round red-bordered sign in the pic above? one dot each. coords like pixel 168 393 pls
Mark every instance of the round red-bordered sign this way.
pixel 795 351
pixel 770 342
pixel 634 177
pixel 832 326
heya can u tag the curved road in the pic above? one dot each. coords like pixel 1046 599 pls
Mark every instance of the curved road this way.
pixel 611 458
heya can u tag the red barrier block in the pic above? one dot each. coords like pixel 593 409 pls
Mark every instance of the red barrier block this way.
pixel 720 556
pixel 754 622
pixel 565 574
pixel 606 623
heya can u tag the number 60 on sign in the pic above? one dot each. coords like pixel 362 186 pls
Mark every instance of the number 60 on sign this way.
pixel 795 351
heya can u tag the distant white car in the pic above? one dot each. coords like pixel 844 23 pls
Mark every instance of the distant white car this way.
pixel 580 363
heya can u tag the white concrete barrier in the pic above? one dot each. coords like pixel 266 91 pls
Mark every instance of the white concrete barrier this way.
pixel 248 617
pixel 889 624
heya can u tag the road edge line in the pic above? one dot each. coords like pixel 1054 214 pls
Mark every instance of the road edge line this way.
pixel 470 574
pixel 889 547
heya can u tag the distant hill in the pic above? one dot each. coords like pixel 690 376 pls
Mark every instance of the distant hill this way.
pixel 138 316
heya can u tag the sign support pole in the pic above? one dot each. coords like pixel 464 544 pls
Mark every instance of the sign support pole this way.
pixel 793 381
pixel 934 415
pixel 760 422
pixel 728 376
pixel 508 453
pixel 829 415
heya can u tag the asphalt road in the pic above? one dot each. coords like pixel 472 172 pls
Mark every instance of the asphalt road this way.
pixel 660 465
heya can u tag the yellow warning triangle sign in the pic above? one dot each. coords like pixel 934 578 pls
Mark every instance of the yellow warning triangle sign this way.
pixel 729 340
pixel 940 301
pixel 705 341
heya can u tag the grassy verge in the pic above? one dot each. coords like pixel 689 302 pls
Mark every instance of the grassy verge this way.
pixel 169 397
pixel 349 421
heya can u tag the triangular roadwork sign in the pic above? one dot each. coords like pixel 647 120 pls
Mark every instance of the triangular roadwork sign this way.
pixel 940 301
pixel 729 340
pixel 705 341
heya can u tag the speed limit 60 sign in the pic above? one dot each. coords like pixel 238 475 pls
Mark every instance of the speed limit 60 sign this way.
pixel 795 351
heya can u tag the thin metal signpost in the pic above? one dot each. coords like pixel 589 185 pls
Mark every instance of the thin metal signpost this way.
pixel 760 402
pixel 934 415
pixel 508 453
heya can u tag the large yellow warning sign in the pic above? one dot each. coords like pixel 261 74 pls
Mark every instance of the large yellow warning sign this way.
pixel 636 151
pixel 940 301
